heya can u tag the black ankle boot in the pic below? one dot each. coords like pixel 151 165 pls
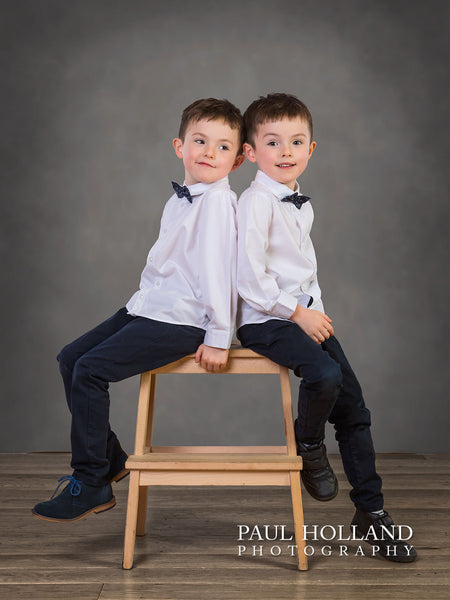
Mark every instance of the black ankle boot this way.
pixel 317 475
pixel 369 527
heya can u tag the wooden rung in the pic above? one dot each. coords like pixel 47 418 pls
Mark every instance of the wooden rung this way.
pixel 214 462
pixel 220 449
pixel 219 478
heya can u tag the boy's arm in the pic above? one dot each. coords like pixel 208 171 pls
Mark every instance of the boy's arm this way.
pixel 258 287
pixel 217 277
pixel 255 285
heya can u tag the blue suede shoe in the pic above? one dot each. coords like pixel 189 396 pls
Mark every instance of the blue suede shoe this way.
pixel 75 502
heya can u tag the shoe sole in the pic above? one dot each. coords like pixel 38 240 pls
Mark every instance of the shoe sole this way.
pixel 97 509
pixel 120 475
pixel 328 498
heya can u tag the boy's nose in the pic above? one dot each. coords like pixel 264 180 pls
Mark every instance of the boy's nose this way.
pixel 209 151
pixel 286 151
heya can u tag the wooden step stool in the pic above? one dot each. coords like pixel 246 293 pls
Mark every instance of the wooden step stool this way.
pixel 210 465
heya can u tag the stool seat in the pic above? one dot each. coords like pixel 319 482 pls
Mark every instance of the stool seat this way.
pixel 210 465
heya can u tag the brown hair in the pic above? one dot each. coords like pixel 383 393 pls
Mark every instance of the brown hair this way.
pixel 212 109
pixel 274 107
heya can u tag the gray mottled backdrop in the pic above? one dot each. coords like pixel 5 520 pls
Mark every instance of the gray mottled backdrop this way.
pixel 92 93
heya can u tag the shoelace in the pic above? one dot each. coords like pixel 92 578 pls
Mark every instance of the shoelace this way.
pixel 75 485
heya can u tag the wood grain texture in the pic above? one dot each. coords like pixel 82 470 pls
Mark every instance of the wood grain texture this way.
pixel 191 547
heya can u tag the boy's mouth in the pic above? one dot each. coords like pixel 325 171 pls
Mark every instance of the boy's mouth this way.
pixel 286 165
pixel 205 164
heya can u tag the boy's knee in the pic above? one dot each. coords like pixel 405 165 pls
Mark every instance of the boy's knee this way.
pixel 88 368
pixel 82 368
pixel 67 358
pixel 330 377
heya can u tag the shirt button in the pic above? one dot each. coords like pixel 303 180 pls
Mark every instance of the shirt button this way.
pixel 164 230
pixel 150 258
pixel 157 284
pixel 141 294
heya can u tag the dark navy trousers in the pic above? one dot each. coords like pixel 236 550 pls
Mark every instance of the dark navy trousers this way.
pixel 329 391
pixel 118 348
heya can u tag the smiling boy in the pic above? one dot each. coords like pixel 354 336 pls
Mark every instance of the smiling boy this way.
pixel 281 315
pixel 185 303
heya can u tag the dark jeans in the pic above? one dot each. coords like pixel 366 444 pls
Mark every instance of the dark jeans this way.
pixel 329 391
pixel 118 348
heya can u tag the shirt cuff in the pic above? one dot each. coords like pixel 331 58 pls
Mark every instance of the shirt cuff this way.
pixel 218 339
pixel 285 306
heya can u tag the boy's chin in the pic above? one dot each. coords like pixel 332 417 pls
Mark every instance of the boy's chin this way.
pixel 206 180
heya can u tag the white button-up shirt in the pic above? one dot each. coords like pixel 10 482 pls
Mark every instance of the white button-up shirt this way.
pixel 277 267
pixel 190 275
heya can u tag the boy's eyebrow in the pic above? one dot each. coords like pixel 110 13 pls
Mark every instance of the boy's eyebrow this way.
pixel 278 135
pixel 203 135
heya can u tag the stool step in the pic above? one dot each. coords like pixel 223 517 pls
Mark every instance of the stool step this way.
pixel 214 462
pixel 219 449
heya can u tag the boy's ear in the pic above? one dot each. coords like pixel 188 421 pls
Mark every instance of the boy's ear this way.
pixel 249 152
pixel 312 147
pixel 238 162
pixel 178 145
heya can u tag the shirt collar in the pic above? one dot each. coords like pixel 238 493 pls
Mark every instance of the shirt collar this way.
pixel 278 189
pixel 200 188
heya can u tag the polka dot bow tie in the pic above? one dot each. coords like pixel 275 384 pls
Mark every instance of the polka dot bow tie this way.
pixel 182 191
pixel 296 199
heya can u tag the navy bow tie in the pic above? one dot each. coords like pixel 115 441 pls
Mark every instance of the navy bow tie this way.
pixel 296 199
pixel 182 191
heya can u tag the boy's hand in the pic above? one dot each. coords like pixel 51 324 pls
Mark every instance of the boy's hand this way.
pixel 314 323
pixel 211 359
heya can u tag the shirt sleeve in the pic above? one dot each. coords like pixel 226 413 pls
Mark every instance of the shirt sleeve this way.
pixel 217 269
pixel 255 284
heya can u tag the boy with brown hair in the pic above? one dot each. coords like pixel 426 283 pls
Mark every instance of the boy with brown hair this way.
pixel 281 315
pixel 185 303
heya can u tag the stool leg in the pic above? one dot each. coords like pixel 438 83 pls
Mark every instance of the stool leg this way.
pixel 151 411
pixel 287 411
pixel 130 528
pixel 142 511
pixel 297 509
pixel 144 411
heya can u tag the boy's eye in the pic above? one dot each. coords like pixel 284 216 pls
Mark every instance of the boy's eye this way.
pixel 199 141
pixel 298 142
pixel 223 147
pixel 272 143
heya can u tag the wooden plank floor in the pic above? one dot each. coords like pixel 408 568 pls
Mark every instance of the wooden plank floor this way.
pixel 192 550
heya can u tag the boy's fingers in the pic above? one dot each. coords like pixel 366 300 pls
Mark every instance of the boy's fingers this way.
pixel 198 354
pixel 320 334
